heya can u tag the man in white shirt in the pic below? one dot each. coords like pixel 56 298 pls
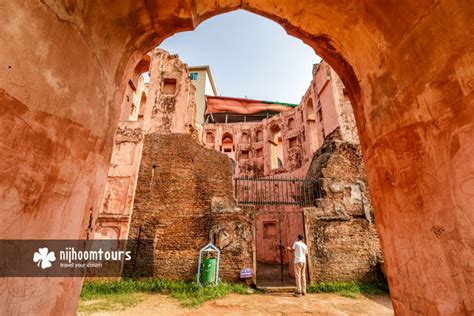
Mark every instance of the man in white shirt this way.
pixel 300 250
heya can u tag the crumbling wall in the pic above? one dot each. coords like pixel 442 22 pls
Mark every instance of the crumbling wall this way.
pixel 171 95
pixel 114 216
pixel 340 232
pixel 232 231
pixel 184 199
pixel 116 208
pixel 343 106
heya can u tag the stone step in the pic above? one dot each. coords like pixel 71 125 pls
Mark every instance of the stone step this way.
pixel 277 289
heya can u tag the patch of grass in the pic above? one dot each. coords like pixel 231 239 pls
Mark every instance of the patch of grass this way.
pixel 188 293
pixel 110 302
pixel 196 296
pixel 349 289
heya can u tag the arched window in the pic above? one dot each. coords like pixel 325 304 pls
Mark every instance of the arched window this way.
pixel 135 93
pixel 312 132
pixel 276 148
pixel 141 109
pixel 227 143
pixel 280 164
pixel 310 109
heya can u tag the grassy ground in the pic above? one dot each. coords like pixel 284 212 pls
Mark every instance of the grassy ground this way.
pixel 110 302
pixel 120 294
pixel 113 295
pixel 349 289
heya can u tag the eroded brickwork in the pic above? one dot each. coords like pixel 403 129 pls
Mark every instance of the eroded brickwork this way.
pixel 318 139
pixel 184 200
pixel 341 236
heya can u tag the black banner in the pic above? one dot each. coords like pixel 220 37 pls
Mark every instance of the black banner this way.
pixel 69 258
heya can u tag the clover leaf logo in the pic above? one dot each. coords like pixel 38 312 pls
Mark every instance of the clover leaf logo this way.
pixel 44 257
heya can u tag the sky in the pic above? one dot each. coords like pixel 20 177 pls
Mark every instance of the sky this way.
pixel 250 56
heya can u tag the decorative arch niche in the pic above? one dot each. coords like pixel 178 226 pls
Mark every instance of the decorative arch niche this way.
pixel 227 143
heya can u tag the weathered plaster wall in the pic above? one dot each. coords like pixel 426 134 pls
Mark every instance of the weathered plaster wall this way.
pixel 57 124
pixel 172 95
pixel 408 70
pixel 232 230
pixel 114 217
pixel 169 107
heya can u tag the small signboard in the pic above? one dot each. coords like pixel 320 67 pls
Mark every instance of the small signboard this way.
pixel 246 273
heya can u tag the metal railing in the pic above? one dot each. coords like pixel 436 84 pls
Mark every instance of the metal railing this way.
pixel 278 190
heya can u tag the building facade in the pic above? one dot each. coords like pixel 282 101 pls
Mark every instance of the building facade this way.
pixel 284 137
pixel 201 77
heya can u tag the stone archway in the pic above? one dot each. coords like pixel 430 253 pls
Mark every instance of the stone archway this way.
pixel 408 67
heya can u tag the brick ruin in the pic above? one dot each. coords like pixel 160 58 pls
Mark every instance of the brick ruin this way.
pixel 408 68
pixel 183 194
pixel 184 200
pixel 166 106
pixel 288 145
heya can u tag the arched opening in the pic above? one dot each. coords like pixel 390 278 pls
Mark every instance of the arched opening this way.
pixel 276 148
pixel 227 143
pixel 312 124
pixel 326 48
pixel 133 104
pixel 141 111
pixel 406 120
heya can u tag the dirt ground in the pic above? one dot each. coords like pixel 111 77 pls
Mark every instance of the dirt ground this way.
pixel 262 304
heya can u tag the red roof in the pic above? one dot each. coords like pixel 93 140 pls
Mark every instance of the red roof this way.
pixel 219 104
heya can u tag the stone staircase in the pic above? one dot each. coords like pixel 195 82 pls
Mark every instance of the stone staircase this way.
pixel 277 289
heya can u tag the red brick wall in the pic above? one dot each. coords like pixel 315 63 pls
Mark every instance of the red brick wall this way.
pixel 184 199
